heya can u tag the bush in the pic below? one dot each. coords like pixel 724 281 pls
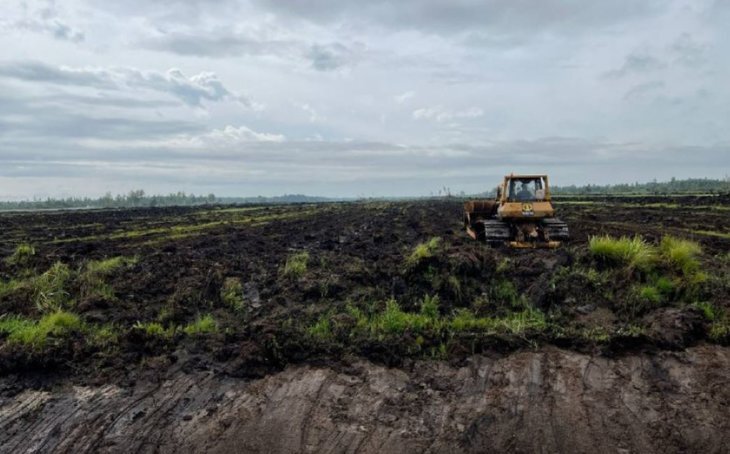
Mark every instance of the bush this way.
pixel 202 325
pixel 22 254
pixel 33 334
pixel 633 252
pixel 232 294
pixel 681 254
pixel 423 251
pixel 296 265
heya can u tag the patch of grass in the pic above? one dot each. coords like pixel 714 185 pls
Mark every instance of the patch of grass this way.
pixel 49 293
pixel 296 264
pixel 707 309
pixel 202 325
pixel 514 323
pixel 155 329
pixel 104 336
pixel 93 277
pixel 232 294
pixel 393 320
pixel 720 330
pixel 321 330
pixel 633 252
pixel 423 251
pixel 650 294
pixel 680 254
pixel 22 255
pixel 9 287
pixel 430 306
pixel 505 292
pixel 29 333
pixel 665 286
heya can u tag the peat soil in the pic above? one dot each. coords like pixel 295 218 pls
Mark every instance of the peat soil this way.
pixel 261 383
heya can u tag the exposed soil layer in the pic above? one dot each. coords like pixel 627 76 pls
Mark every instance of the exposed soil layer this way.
pixel 572 359
pixel 548 400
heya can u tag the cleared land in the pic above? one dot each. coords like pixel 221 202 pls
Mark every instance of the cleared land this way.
pixel 364 327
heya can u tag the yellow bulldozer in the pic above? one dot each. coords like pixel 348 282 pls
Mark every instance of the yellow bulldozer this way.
pixel 521 216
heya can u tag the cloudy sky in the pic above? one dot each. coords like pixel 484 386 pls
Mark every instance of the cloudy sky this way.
pixel 358 98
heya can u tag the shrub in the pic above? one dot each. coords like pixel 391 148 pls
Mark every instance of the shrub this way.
pixel 232 294
pixel 423 251
pixel 33 334
pixel 202 325
pixel 633 252
pixel 680 254
pixel 49 293
pixel 296 264
pixel 22 254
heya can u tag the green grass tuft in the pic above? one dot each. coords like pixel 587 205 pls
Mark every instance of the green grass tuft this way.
pixel 49 289
pixel 296 264
pixel 202 325
pixel 321 330
pixel 155 329
pixel 29 333
pixel 650 294
pixel 633 252
pixel 430 306
pixel 232 294
pixel 93 277
pixel 423 251
pixel 22 254
pixel 681 254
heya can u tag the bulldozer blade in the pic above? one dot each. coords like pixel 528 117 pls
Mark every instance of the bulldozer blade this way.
pixel 534 244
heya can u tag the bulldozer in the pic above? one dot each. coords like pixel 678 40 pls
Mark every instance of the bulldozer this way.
pixel 521 216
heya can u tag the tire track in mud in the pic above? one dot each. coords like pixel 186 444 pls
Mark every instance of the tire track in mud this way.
pixel 549 400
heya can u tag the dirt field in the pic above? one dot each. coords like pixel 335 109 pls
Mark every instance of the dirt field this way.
pixel 327 328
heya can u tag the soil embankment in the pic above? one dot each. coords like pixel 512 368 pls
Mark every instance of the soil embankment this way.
pixel 549 400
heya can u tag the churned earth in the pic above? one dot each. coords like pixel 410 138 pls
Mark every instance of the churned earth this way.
pixel 362 327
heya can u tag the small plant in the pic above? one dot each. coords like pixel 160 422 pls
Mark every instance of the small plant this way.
pixel 296 265
pixel 707 309
pixel 393 320
pixel 22 254
pixel 232 294
pixel 430 306
pixel 423 251
pixel 681 254
pixel 36 335
pixel 202 325
pixel 633 252
pixel 49 293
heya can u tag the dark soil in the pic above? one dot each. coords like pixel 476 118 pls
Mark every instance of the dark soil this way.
pixel 605 373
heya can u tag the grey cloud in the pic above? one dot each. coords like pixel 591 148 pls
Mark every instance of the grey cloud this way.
pixel 511 17
pixel 191 90
pixel 689 51
pixel 216 44
pixel 636 63
pixel 330 56
pixel 642 89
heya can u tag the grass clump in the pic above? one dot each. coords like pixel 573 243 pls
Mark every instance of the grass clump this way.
pixel 681 254
pixel 22 254
pixel 155 329
pixel 633 252
pixel 650 294
pixel 202 325
pixel 393 320
pixel 232 294
pixel 36 334
pixel 296 264
pixel 321 330
pixel 94 275
pixel 423 251
pixel 49 293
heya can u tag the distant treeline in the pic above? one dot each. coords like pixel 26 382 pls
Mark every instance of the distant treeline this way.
pixel 673 186
pixel 138 198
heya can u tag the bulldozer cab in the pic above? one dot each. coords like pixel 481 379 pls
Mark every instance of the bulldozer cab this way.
pixel 528 188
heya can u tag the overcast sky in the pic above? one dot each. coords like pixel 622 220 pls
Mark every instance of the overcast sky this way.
pixel 358 98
